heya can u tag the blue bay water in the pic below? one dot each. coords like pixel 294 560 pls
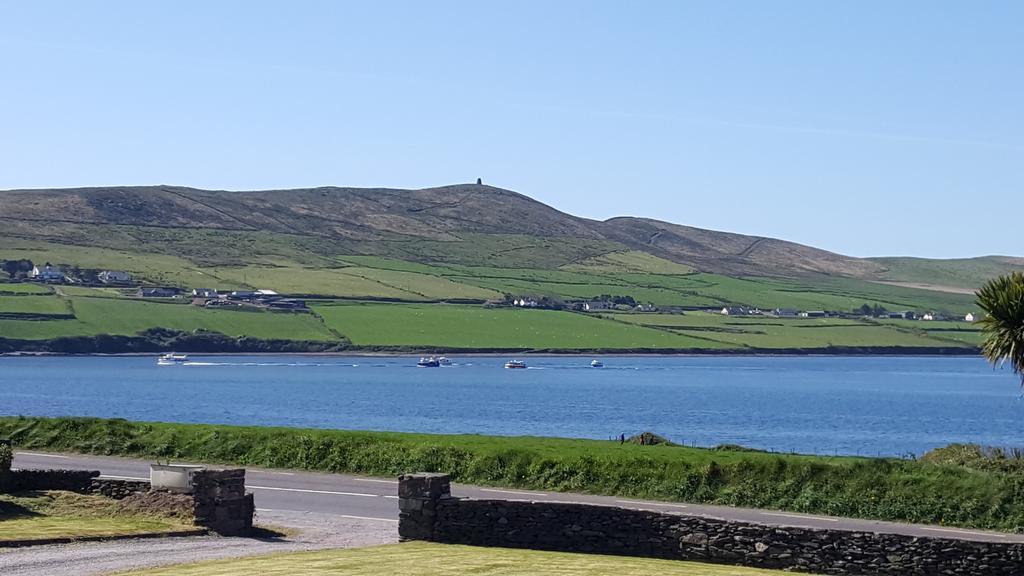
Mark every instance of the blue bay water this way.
pixel 853 405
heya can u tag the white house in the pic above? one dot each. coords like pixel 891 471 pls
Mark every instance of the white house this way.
pixel 971 317
pixel 928 316
pixel 47 273
pixel 114 277
pixel 596 305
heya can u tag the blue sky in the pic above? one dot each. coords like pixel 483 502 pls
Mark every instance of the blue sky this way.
pixel 868 128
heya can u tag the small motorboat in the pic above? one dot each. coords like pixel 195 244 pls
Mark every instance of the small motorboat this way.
pixel 428 362
pixel 596 364
pixel 444 361
pixel 515 364
pixel 170 359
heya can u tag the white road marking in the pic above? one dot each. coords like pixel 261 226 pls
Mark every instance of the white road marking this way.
pixel 955 531
pixel 109 477
pixel 280 473
pixel 638 502
pixel 368 518
pixel 314 491
pixel 390 496
pixel 376 480
pixel 513 492
pixel 41 455
pixel 800 516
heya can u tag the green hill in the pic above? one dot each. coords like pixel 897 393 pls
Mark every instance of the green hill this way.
pixel 462 244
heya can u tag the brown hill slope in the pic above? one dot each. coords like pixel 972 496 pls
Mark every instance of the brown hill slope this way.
pixel 733 254
pixel 443 219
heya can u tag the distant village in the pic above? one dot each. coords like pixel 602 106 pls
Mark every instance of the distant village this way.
pixel 269 299
pixel 208 297
pixel 626 303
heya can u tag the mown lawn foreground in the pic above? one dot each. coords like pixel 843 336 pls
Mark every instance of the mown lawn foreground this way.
pixel 424 559
pixel 52 514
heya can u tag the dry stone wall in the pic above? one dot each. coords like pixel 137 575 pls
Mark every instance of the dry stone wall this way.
pixel 69 480
pixel 428 512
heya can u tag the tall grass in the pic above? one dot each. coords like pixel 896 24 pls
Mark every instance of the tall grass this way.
pixel 886 489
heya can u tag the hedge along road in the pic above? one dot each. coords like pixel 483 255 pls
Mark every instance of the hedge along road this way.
pixel 375 499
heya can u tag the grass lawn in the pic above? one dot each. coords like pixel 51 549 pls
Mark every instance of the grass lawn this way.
pixel 24 288
pixel 428 559
pixel 425 285
pixel 42 515
pixel 455 327
pixel 106 292
pixel 34 304
pixel 296 280
pixel 630 261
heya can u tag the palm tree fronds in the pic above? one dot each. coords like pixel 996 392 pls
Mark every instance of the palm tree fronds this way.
pixel 1002 299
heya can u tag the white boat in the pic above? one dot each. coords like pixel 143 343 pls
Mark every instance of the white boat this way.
pixel 170 359
pixel 444 361
pixel 428 362
pixel 596 364
pixel 515 364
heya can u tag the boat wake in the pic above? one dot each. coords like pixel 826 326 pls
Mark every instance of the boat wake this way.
pixel 291 364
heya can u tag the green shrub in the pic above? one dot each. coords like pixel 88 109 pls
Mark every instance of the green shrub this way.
pixel 956 492
pixel 6 457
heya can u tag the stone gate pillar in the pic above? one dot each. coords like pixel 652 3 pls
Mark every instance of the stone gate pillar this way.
pixel 221 502
pixel 418 495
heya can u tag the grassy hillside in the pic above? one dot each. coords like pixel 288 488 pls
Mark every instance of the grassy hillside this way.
pixel 964 273
pixel 467 224
pixel 887 489
pixel 456 244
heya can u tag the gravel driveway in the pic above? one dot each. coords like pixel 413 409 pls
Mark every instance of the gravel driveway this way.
pixel 314 531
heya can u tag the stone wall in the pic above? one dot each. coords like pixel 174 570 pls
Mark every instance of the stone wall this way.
pixel 117 489
pixel 69 480
pixel 221 503
pixel 428 512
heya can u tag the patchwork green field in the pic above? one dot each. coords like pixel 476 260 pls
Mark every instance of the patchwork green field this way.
pixel 86 312
pixel 780 333
pixel 129 316
pixel 454 327
pixel 469 268
pixel 33 304
pixel 14 289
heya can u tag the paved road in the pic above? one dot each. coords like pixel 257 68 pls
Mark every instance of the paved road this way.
pixel 358 497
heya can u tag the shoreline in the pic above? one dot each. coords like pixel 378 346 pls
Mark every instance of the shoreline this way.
pixel 874 353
